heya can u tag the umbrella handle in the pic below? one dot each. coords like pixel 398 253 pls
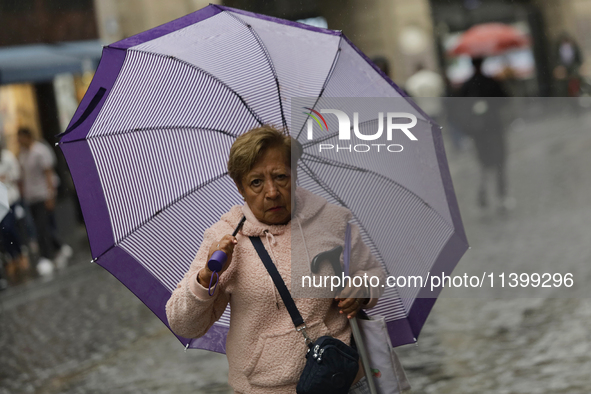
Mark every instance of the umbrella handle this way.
pixel 215 265
pixel 217 261
pixel 363 354
pixel 217 279
pixel 218 258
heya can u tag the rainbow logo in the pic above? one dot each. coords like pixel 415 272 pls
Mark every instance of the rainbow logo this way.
pixel 313 114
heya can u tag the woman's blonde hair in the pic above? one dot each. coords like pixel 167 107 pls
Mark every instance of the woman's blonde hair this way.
pixel 250 146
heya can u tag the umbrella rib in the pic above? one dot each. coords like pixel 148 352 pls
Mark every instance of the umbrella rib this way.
pixel 254 114
pixel 269 60
pixel 332 163
pixel 328 75
pixel 328 190
pixel 381 177
pixel 144 129
pixel 170 204
pixel 316 142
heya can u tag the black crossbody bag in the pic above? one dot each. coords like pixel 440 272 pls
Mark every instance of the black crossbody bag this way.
pixel 331 365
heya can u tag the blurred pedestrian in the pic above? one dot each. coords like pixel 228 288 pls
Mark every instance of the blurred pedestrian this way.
pixel 427 87
pixel 451 107
pixel 383 64
pixel 568 61
pixel 39 187
pixel 425 83
pixel 17 264
pixel 483 122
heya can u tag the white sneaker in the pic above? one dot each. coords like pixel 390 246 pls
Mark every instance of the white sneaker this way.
pixel 66 251
pixel 62 257
pixel 45 267
pixel 61 262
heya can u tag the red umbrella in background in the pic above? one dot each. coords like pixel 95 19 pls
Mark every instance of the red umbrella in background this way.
pixel 489 39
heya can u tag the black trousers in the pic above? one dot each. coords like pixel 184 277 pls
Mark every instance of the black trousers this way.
pixel 45 229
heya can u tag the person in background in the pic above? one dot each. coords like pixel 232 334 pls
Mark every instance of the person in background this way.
pixel 17 264
pixel 451 107
pixel 484 124
pixel 384 65
pixel 566 72
pixel 39 192
pixel 426 87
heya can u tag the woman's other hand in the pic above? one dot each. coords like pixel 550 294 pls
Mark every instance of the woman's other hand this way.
pixel 351 300
pixel 226 245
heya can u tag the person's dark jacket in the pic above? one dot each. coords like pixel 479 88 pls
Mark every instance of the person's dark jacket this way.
pixel 482 117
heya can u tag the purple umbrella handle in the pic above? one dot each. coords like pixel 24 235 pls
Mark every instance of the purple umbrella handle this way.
pixel 217 279
pixel 219 258
pixel 215 264
pixel 217 261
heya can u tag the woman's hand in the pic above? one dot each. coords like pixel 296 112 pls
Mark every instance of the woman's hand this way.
pixel 226 245
pixel 351 300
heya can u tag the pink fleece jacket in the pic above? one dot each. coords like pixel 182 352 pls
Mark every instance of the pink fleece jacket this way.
pixel 265 353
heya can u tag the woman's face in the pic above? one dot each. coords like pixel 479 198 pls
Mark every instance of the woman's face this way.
pixel 267 188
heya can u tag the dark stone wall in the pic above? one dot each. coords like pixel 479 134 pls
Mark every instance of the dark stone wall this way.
pixel 286 9
pixel 46 21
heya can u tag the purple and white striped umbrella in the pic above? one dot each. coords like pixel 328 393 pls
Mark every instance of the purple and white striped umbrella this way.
pixel 148 146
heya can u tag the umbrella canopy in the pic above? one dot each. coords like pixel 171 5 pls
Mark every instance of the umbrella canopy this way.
pixel 489 39
pixel 148 146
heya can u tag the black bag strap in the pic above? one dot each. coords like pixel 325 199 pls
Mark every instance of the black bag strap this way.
pixel 297 319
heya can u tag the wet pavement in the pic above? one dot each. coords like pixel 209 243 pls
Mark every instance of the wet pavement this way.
pixel 487 342
pixel 84 332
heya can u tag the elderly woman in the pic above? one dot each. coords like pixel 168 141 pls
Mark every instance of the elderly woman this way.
pixel 265 353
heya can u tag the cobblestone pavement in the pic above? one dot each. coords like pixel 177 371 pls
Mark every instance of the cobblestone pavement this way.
pixel 487 342
pixel 84 332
